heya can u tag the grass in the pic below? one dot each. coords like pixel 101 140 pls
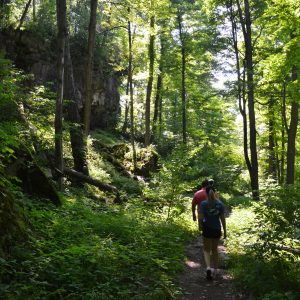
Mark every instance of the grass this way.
pixel 87 250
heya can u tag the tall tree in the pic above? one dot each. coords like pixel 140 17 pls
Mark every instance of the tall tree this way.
pixel 89 67
pixel 34 10
pixel 150 76
pixel 73 116
pixel 61 38
pixel 132 124
pixel 240 83
pixel 159 88
pixel 183 72
pixel 292 133
pixel 245 20
pixel 272 162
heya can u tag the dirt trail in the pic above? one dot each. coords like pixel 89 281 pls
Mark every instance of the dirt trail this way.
pixel 193 281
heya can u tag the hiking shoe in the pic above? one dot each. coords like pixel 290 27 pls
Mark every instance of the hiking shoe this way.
pixel 208 274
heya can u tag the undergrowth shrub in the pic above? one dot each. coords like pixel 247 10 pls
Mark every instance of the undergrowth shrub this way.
pixel 87 250
pixel 264 244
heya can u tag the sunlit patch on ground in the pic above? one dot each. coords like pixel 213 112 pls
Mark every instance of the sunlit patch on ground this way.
pixel 192 264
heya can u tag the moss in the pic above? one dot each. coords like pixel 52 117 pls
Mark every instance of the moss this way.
pixel 12 225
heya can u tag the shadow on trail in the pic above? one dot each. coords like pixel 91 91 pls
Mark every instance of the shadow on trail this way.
pixel 194 283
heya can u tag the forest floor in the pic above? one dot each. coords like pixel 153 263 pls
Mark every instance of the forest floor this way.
pixel 193 282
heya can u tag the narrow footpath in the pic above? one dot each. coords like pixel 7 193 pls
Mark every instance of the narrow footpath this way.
pixel 193 282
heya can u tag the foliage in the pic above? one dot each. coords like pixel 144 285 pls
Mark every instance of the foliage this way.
pixel 10 126
pixel 167 188
pixel 260 241
pixel 11 130
pixel 88 250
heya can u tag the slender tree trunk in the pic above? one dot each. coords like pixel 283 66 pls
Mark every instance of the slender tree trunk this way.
pixel 245 20
pixel 89 67
pixel 150 81
pixel 24 14
pixel 158 97
pixel 160 109
pixel 183 87
pixel 284 129
pixel 132 125
pixel 61 24
pixel 34 10
pixel 159 87
pixel 240 87
pixel 272 167
pixel 282 156
pixel 125 124
pixel 291 134
pixel 73 116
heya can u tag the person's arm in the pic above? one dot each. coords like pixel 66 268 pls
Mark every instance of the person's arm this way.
pixel 201 217
pixel 223 221
pixel 194 204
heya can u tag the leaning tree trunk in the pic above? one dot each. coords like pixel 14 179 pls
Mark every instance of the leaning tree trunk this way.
pixel 88 70
pixel 24 14
pixel 150 82
pixel 61 24
pixel 183 87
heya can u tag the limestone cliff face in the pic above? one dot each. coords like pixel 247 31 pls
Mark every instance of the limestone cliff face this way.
pixel 38 56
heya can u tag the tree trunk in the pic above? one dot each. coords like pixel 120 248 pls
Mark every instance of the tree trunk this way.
pixel 284 129
pixel 61 37
pixel 272 166
pixel 150 82
pixel 131 94
pixel 89 66
pixel 24 14
pixel 292 132
pixel 34 10
pixel 125 124
pixel 240 86
pixel 92 181
pixel 73 116
pixel 183 87
pixel 245 20
pixel 159 87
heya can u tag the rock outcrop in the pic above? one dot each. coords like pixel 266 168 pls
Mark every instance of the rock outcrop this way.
pixel 37 56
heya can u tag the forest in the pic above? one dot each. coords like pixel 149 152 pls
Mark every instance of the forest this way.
pixel 113 112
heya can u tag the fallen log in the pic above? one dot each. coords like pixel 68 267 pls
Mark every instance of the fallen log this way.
pixel 87 179
pixel 118 165
pixel 106 153
pixel 286 248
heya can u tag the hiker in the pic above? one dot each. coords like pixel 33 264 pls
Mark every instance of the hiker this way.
pixel 199 196
pixel 211 213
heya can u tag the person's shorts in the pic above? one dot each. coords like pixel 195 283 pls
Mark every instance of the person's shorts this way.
pixel 209 232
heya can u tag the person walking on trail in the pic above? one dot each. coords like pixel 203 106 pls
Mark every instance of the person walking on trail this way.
pixel 211 213
pixel 199 196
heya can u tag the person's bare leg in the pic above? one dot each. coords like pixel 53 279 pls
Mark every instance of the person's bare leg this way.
pixel 215 254
pixel 206 251
pixel 207 247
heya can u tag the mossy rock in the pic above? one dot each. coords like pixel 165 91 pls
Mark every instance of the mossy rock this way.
pixel 33 180
pixel 12 225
